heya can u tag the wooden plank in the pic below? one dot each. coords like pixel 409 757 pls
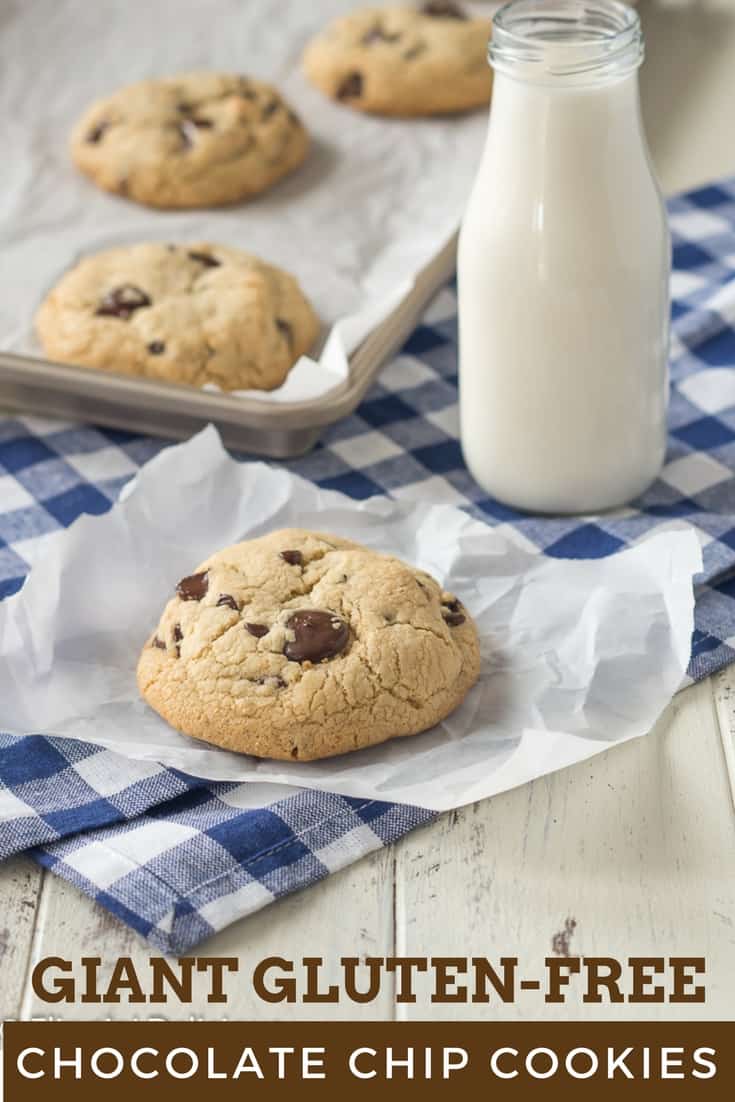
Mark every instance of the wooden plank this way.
pixel 20 886
pixel 348 914
pixel 724 693
pixel 633 846
pixel 628 854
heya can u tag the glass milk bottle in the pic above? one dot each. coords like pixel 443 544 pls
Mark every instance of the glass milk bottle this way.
pixel 563 268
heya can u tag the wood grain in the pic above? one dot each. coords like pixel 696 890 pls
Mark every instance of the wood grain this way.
pixel 628 854
pixel 724 695
pixel 349 914
pixel 20 887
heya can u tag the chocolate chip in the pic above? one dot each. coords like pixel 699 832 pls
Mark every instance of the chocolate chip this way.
pixel 270 109
pixel 272 679
pixel 226 601
pixel 318 635
pixel 122 301
pixel 258 630
pixel 443 9
pixel 286 331
pixel 178 636
pixel 156 348
pixel 194 587
pixel 378 33
pixel 158 643
pixel 452 613
pixel 97 132
pixel 351 86
pixel 206 259
pixel 293 558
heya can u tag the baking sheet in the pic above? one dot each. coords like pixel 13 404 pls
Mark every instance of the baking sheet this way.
pixel 376 200
pixel 577 655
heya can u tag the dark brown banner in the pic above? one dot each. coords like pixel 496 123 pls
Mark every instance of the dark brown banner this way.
pixel 378 1060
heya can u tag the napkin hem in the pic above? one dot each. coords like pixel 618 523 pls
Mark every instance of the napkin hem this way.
pixel 188 926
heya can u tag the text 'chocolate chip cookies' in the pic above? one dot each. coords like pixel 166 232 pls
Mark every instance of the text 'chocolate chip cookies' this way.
pixel 195 140
pixel 195 314
pixel 428 60
pixel 300 645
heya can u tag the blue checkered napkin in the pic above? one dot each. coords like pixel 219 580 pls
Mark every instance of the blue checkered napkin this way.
pixel 178 858
pixel 174 857
pixel 52 788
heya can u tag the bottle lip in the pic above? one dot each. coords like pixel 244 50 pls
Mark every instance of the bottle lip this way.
pixel 579 41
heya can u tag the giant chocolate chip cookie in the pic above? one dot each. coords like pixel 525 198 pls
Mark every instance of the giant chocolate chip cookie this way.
pixel 429 60
pixel 300 645
pixel 195 140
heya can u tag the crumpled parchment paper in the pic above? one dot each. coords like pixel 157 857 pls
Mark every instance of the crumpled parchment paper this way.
pixel 577 655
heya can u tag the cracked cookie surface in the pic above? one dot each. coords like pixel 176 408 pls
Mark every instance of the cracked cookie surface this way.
pixel 194 140
pixel 428 60
pixel 196 313
pixel 300 645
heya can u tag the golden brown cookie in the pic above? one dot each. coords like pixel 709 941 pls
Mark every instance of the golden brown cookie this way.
pixel 197 313
pixel 195 140
pixel 428 60
pixel 300 645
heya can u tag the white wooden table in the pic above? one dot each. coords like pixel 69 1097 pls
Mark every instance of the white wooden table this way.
pixel 636 847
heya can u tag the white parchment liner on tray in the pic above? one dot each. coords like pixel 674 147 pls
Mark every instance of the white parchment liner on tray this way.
pixel 577 655
pixel 375 202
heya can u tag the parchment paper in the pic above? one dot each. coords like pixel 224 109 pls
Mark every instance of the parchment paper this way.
pixel 577 655
pixel 374 203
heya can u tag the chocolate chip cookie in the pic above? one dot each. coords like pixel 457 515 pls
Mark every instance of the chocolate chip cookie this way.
pixel 429 60
pixel 300 645
pixel 196 140
pixel 197 313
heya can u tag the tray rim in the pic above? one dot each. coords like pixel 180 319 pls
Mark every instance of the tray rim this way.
pixel 22 376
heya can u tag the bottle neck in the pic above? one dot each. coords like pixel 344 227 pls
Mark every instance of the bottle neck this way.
pixel 562 130
pixel 566 43
pixel 613 99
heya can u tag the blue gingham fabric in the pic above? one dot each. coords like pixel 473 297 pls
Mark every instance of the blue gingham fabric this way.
pixel 178 858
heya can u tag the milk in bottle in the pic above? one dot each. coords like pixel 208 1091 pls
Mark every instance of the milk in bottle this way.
pixel 563 268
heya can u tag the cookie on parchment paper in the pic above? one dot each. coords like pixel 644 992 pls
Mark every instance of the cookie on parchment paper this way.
pixel 196 313
pixel 429 60
pixel 300 645
pixel 195 140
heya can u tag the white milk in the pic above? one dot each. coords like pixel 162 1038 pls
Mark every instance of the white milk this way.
pixel 563 270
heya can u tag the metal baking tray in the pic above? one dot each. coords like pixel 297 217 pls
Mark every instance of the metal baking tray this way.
pixel 280 431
